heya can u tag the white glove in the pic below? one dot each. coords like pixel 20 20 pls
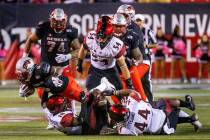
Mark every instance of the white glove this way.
pixel 168 130
pixel 60 58
pixel 25 90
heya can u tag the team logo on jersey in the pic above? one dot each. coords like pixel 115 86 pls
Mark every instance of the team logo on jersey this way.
pixel 25 65
pixel 68 30
pixel 129 37
pixel 57 82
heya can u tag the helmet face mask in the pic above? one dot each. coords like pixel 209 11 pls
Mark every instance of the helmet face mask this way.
pixel 118 112
pixel 119 24
pixel 58 20
pixel 24 69
pixel 104 30
pixel 56 104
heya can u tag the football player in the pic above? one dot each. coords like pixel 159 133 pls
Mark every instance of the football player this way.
pixel 137 117
pixel 58 39
pixel 133 55
pixel 59 111
pixel 105 51
pixel 129 12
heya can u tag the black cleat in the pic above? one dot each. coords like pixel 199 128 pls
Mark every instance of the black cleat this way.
pixel 189 99
pixel 195 122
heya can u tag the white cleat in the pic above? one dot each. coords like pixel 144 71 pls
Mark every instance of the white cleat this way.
pixel 109 86
pixel 50 126
pixel 196 123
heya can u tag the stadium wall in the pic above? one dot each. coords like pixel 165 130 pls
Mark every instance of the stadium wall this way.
pixel 194 20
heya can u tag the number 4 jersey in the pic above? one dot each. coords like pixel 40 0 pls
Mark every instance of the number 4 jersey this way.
pixel 103 58
pixel 142 117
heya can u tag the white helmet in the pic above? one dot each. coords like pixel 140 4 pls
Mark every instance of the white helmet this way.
pixel 58 20
pixel 24 69
pixel 139 17
pixel 127 10
pixel 119 19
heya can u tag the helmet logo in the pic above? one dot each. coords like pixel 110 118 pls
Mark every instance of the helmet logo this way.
pixel 25 65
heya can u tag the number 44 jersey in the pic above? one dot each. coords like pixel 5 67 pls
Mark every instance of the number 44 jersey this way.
pixel 103 57
pixel 142 117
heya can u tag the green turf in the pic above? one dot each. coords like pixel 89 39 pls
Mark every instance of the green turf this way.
pixel 35 130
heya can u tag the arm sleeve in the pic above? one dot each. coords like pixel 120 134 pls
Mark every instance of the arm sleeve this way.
pixel 45 69
pixel 121 52
pixel 135 43
pixel 56 84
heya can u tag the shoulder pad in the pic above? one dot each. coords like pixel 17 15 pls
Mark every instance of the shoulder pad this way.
pixel 72 32
pixel 45 68
pixel 43 24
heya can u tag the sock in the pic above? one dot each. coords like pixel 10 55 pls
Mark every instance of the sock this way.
pixel 184 120
pixel 183 114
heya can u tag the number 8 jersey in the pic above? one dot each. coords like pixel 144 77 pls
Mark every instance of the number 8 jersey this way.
pixel 103 58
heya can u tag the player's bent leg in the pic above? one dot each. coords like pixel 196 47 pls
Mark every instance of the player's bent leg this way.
pixel 40 92
pixel 73 90
pixel 142 69
pixel 135 77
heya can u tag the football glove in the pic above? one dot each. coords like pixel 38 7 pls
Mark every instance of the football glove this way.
pixel 60 58
pixel 26 90
pixel 129 83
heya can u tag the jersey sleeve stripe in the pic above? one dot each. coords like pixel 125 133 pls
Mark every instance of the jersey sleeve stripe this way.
pixel 121 52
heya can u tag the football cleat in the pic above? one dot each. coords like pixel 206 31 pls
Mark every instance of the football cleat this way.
pixel 50 126
pixel 195 122
pixel 109 86
pixel 189 99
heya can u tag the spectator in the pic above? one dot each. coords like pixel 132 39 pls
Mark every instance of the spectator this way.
pixel 202 54
pixel 160 51
pixel 178 45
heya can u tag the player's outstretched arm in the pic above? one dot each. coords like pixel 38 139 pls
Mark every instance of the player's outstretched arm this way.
pixel 75 44
pixel 121 63
pixel 31 39
pixel 81 56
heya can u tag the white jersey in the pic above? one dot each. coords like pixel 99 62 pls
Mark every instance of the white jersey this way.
pixel 142 117
pixel 103 58
pixel 58 119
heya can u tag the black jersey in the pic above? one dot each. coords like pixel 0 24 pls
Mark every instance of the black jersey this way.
pixel 135 28
pixel 53 43
pixel 41 77
pixel 131 41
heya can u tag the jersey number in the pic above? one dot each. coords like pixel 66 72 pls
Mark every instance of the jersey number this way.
pixel 144 114
pixel 52 45
pixel 94 58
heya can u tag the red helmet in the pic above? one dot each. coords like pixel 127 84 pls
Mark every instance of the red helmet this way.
pixel 56 104
pixel 104 27
pixel 117 112
pixel 58 20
